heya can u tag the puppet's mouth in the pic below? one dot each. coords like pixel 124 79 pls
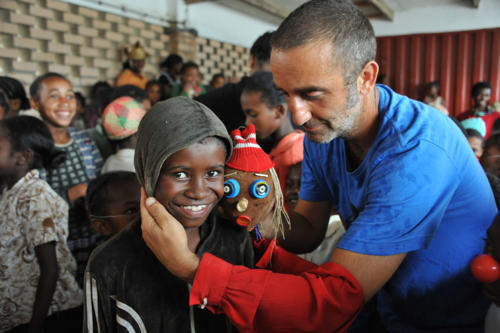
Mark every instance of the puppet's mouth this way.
pixel 243 220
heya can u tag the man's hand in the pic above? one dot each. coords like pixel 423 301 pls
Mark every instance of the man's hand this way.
pixel 166 237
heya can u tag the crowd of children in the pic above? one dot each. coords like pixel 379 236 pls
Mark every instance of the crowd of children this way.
pixel 71 174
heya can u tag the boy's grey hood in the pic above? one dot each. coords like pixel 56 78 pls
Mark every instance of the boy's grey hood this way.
pixel 168 127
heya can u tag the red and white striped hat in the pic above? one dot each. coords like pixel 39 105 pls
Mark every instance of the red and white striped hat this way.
pixel 247 154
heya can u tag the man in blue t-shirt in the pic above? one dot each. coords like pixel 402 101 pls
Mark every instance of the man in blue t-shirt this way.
pixel 415 200
pixel 407 185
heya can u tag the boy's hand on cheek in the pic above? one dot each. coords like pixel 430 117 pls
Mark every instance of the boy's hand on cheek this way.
pixel 166 237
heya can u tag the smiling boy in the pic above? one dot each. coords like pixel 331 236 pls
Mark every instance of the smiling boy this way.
pixel 180 154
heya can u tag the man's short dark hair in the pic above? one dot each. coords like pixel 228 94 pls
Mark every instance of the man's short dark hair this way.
pixel 261 49
pixel 338 21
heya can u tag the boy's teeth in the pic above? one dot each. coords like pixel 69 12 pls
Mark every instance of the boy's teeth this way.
pixel 195 208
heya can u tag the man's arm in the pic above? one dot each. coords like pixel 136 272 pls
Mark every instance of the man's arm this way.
pixel 309 222
pixel 295 296
pixel 372 272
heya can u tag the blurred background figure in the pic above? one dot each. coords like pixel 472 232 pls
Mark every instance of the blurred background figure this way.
pixel 132 68
pixel 432 97
pixel 218 80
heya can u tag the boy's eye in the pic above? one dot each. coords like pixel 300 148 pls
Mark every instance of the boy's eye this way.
pixel 70 96
pixel 54 96
pixel 132 211
pixel 180 175
pixel 213 173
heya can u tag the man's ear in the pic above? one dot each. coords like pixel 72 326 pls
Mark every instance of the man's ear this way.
pixel 101 227
pixel 367 78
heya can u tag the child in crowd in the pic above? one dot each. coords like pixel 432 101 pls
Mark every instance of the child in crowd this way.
pixel 4 105
pixel 132 69
pixel 190 76
pixel 113 201
pixel 476 141
pixel 18 101
pixel 181 150
pixel 433 98
pixel 292 184
pixel 485 268
pixel 490 160
pixel 218 80
pixel 154 91
pixel 480 108
pixel 97 133
pixel 93 110
pixel 266 109
pixel 78 121
pixel 52 95
pixel 121 120
pixel 37 268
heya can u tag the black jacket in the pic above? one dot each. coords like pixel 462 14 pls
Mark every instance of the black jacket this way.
pixel 126 285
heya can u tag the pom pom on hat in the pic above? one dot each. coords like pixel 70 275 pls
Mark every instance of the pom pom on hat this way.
pixel 247 154
pixel 121 118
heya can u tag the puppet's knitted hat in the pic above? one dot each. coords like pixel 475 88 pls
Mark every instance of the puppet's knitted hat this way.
pixel 247 154
pixel 121 118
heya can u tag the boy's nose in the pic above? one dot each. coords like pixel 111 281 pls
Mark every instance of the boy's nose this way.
pixel 197 189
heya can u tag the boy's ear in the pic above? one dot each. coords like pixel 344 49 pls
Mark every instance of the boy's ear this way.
pixel 101 227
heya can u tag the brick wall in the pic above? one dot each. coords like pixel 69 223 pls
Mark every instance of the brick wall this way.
pixel 87 45
pixel 219 57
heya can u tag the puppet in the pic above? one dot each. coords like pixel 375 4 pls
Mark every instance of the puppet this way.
pixel 251 187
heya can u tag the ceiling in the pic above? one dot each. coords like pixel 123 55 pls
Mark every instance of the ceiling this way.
pixel 274 11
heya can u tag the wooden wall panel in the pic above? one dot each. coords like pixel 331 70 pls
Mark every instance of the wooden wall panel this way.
pixel 457 60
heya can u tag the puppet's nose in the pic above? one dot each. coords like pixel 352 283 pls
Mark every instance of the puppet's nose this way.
pixel 242 205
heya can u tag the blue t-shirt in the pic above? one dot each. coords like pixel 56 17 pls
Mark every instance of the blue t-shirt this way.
pixel 420 190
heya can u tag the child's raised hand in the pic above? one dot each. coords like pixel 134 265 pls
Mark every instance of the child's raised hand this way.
pixel 77 191
pixel 167 238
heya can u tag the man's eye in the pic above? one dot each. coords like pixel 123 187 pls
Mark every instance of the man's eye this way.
pixel 312 95
pixel 70 97
pixel 54 96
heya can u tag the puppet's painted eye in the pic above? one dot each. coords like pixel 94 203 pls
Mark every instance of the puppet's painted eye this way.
pixel 231 188
pixel 259 189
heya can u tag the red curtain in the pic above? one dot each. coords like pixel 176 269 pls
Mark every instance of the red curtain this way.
pixel 456 59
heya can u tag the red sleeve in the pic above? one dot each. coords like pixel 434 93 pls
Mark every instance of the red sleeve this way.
pixel 298 296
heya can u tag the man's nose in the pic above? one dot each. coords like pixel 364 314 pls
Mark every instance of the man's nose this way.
pixel 299 109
